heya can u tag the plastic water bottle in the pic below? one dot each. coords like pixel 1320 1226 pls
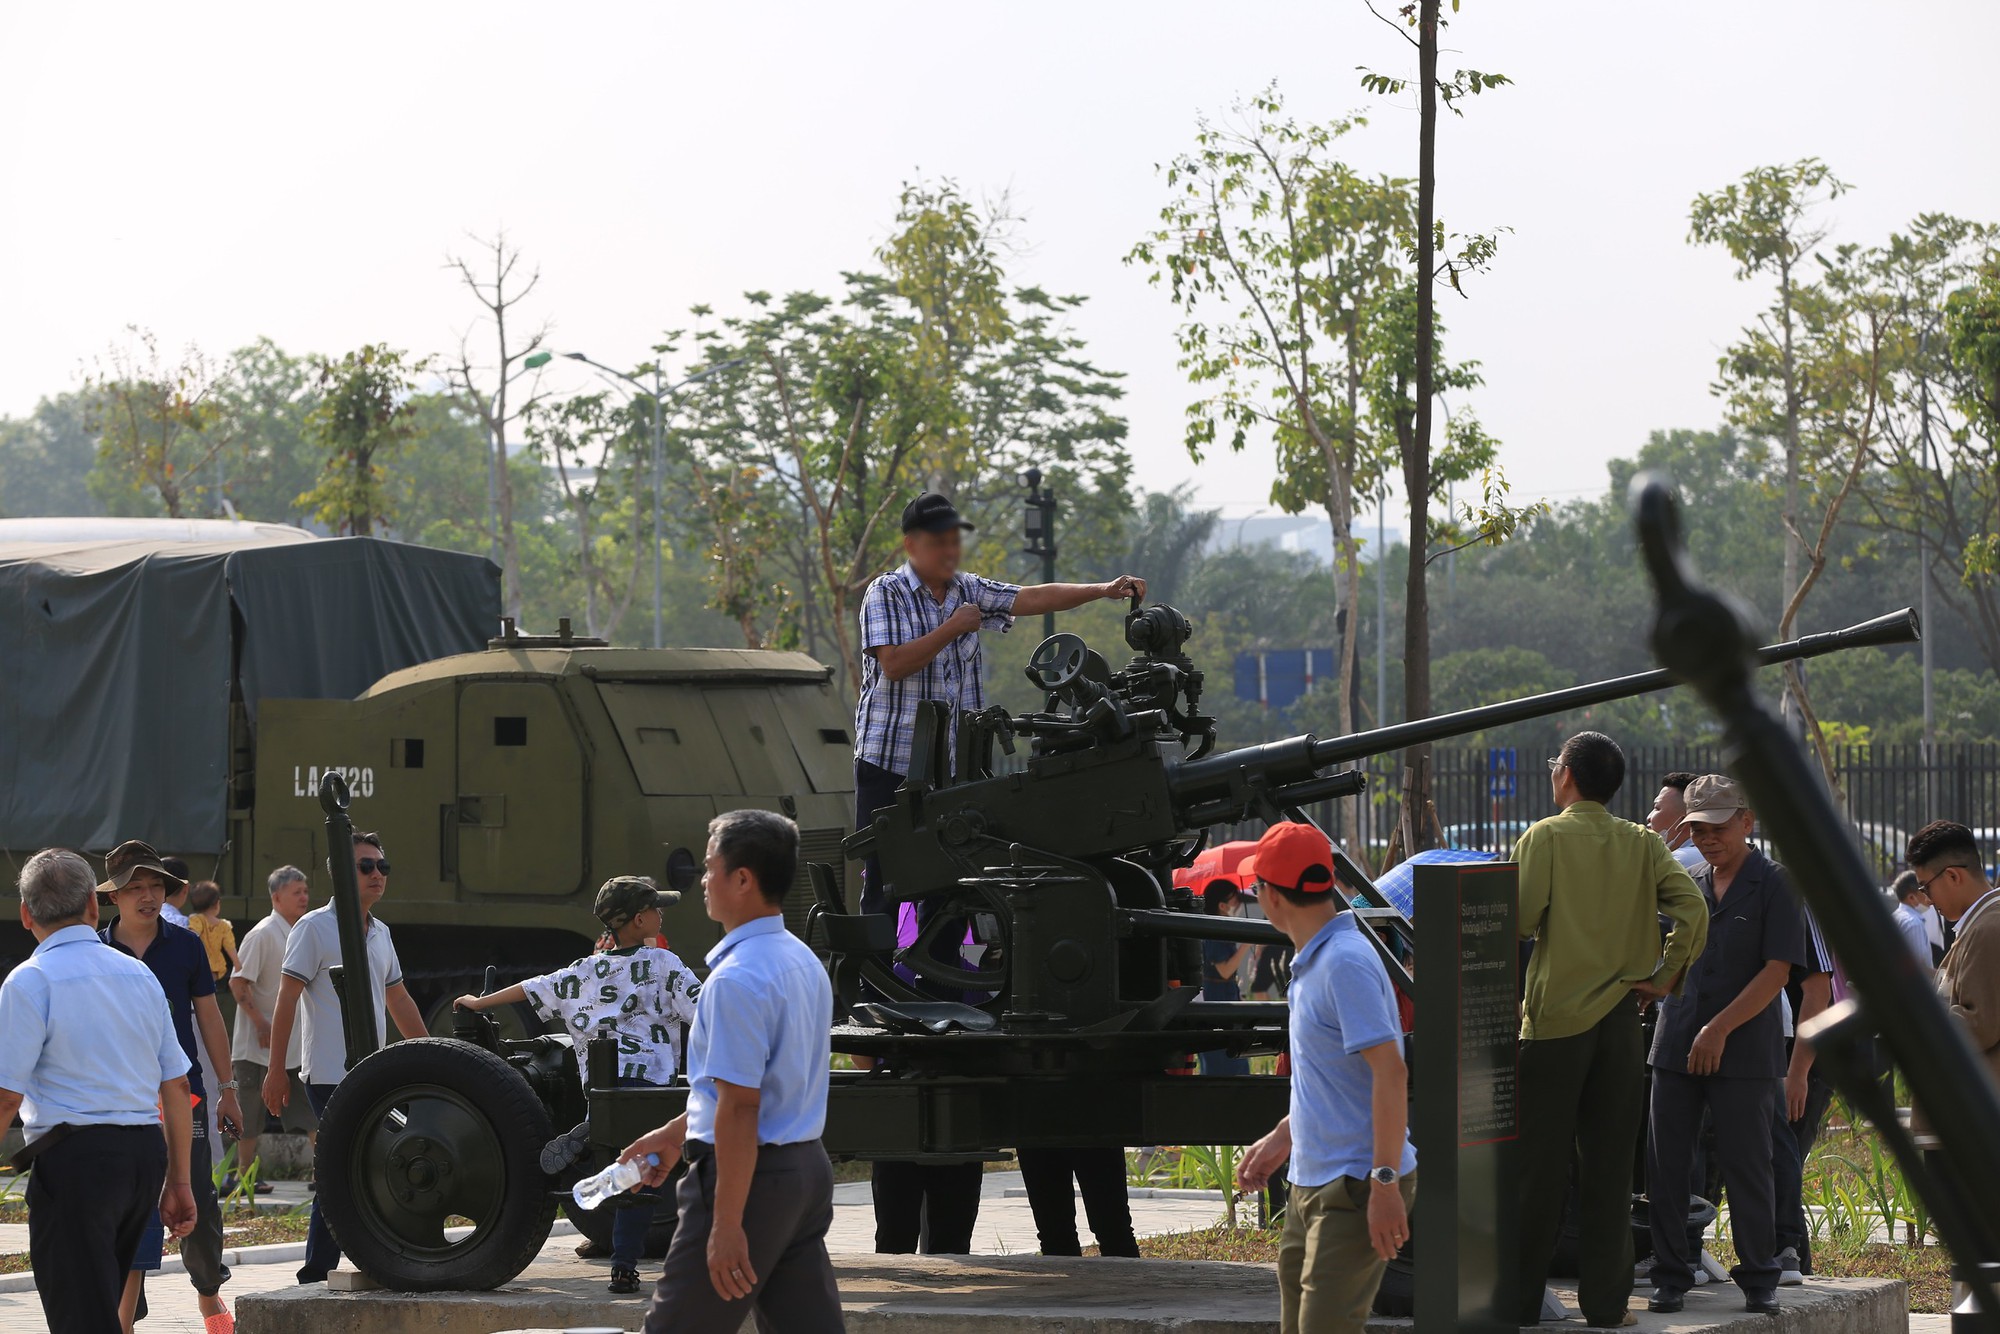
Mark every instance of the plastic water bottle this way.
pixel 613 1180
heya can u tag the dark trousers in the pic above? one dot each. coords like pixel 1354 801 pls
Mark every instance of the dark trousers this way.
pixel 201 1249
pixel 928 1207
pixel 918 1206
pixel 874 788
pixel 90 1198
pixel 1791 1142
pixel 630 1225
pixel 785 1221
pixel 322 1251
pixel 1742 1112
pixel 1054 1178
pixel 1581 1106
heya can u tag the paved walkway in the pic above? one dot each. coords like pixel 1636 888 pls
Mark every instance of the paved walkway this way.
pixel 1006 1227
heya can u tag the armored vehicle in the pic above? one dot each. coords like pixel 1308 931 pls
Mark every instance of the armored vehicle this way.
pixel 193 693
pixel 1049 998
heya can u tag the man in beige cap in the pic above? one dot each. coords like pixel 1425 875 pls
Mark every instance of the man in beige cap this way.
pixel 1720 1047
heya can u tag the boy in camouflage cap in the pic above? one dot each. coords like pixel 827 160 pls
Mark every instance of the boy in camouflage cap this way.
pixel 635 993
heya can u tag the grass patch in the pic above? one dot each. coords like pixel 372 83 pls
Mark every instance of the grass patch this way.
pixel 241 1227
pixel 1241 1245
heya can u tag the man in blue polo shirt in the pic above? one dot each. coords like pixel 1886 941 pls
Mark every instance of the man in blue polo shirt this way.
pixel 757 1199
pixel 138 882
pixel 1353 1167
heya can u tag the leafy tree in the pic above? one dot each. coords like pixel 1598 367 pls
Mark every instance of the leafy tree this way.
pixel 1280 256
pixel 1432 262
pixel 931 372
pixel 161 428
pixel 1768 223
pixel 268 394
pixel 600 453
pixel 1937 484
pixel 362 417
pixel 46 456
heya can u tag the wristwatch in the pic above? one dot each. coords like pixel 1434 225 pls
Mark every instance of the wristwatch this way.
pixel 228 1086
pixel 1384 1176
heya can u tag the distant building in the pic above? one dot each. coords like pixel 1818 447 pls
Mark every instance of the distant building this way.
pixel 1310 533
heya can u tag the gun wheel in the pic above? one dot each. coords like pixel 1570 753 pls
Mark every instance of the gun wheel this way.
pixel 429 1167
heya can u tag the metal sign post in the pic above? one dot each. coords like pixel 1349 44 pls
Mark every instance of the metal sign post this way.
pixel 1468 1016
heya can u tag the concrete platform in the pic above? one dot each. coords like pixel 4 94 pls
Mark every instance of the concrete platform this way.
pixel 1002 1295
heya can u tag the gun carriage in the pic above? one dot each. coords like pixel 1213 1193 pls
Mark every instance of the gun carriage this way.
pixel 1053 983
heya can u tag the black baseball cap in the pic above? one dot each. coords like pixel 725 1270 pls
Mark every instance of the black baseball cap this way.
pixel 932 513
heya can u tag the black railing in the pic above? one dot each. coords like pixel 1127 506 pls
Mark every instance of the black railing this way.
pixel 1889 793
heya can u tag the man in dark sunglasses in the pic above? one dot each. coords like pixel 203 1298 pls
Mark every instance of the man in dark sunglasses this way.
pixel 311 952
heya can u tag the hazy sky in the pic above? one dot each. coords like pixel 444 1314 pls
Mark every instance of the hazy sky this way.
pixel 216 172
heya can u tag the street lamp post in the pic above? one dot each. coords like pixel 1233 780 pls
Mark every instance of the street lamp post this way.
pixel 1040 530
pixel 658 392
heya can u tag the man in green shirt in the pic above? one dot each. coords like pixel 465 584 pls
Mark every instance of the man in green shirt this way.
pixel 1593 888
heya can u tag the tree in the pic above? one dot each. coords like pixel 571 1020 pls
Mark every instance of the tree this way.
pixel 161 429
pixel 1938 487
pixel 1767 222
pixel 1428 254
pixel 268 394
pixel 488 389
pixel 930 373
pixel 46 457
pixel 1299 251
pixel 363 416
pixel 600 453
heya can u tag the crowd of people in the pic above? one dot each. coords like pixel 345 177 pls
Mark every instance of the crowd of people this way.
pixel 114 1052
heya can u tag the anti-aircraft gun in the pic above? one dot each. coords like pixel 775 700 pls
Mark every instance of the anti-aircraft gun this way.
pixel 1087 974
pixel 1053 982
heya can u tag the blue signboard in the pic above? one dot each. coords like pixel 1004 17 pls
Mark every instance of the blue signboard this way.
pixel 1277 677
pixel 1501 773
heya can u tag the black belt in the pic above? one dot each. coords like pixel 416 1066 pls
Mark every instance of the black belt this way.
pixel 56 1134
pixel 695 1150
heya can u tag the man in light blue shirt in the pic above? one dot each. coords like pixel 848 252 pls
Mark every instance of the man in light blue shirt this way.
pixel 757 1199
pixel 1353 1167
pixel 90 1059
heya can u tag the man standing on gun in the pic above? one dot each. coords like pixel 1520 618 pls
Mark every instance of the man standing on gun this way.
pixel 920 627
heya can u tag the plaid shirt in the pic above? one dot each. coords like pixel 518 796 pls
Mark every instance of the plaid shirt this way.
pixel 896 609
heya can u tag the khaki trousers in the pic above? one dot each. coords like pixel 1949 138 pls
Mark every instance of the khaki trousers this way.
pixel 1327 1271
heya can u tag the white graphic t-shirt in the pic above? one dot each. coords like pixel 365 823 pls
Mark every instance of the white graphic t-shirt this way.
pixel 641 996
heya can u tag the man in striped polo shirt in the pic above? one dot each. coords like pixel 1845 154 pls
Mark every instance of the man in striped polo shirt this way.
pixel 920 627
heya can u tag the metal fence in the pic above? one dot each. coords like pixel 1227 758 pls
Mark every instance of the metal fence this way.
pixel 1484 801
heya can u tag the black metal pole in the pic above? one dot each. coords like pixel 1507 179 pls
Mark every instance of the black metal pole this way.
pixel 351 980
pixel 1706 640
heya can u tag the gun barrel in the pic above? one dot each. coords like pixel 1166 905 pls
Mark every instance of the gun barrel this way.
pixel 1899 627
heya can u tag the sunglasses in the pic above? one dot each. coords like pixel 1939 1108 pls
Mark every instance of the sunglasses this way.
pixel 370 865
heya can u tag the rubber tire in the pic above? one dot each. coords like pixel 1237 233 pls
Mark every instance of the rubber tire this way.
pixel 595 1224
pixel 518 1120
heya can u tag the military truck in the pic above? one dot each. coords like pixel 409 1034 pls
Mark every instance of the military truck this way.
pixel 192 693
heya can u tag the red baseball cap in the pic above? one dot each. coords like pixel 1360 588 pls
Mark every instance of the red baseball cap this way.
pixel 1294 856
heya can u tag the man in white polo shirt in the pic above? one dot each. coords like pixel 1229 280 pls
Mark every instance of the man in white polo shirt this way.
pixel 311 950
